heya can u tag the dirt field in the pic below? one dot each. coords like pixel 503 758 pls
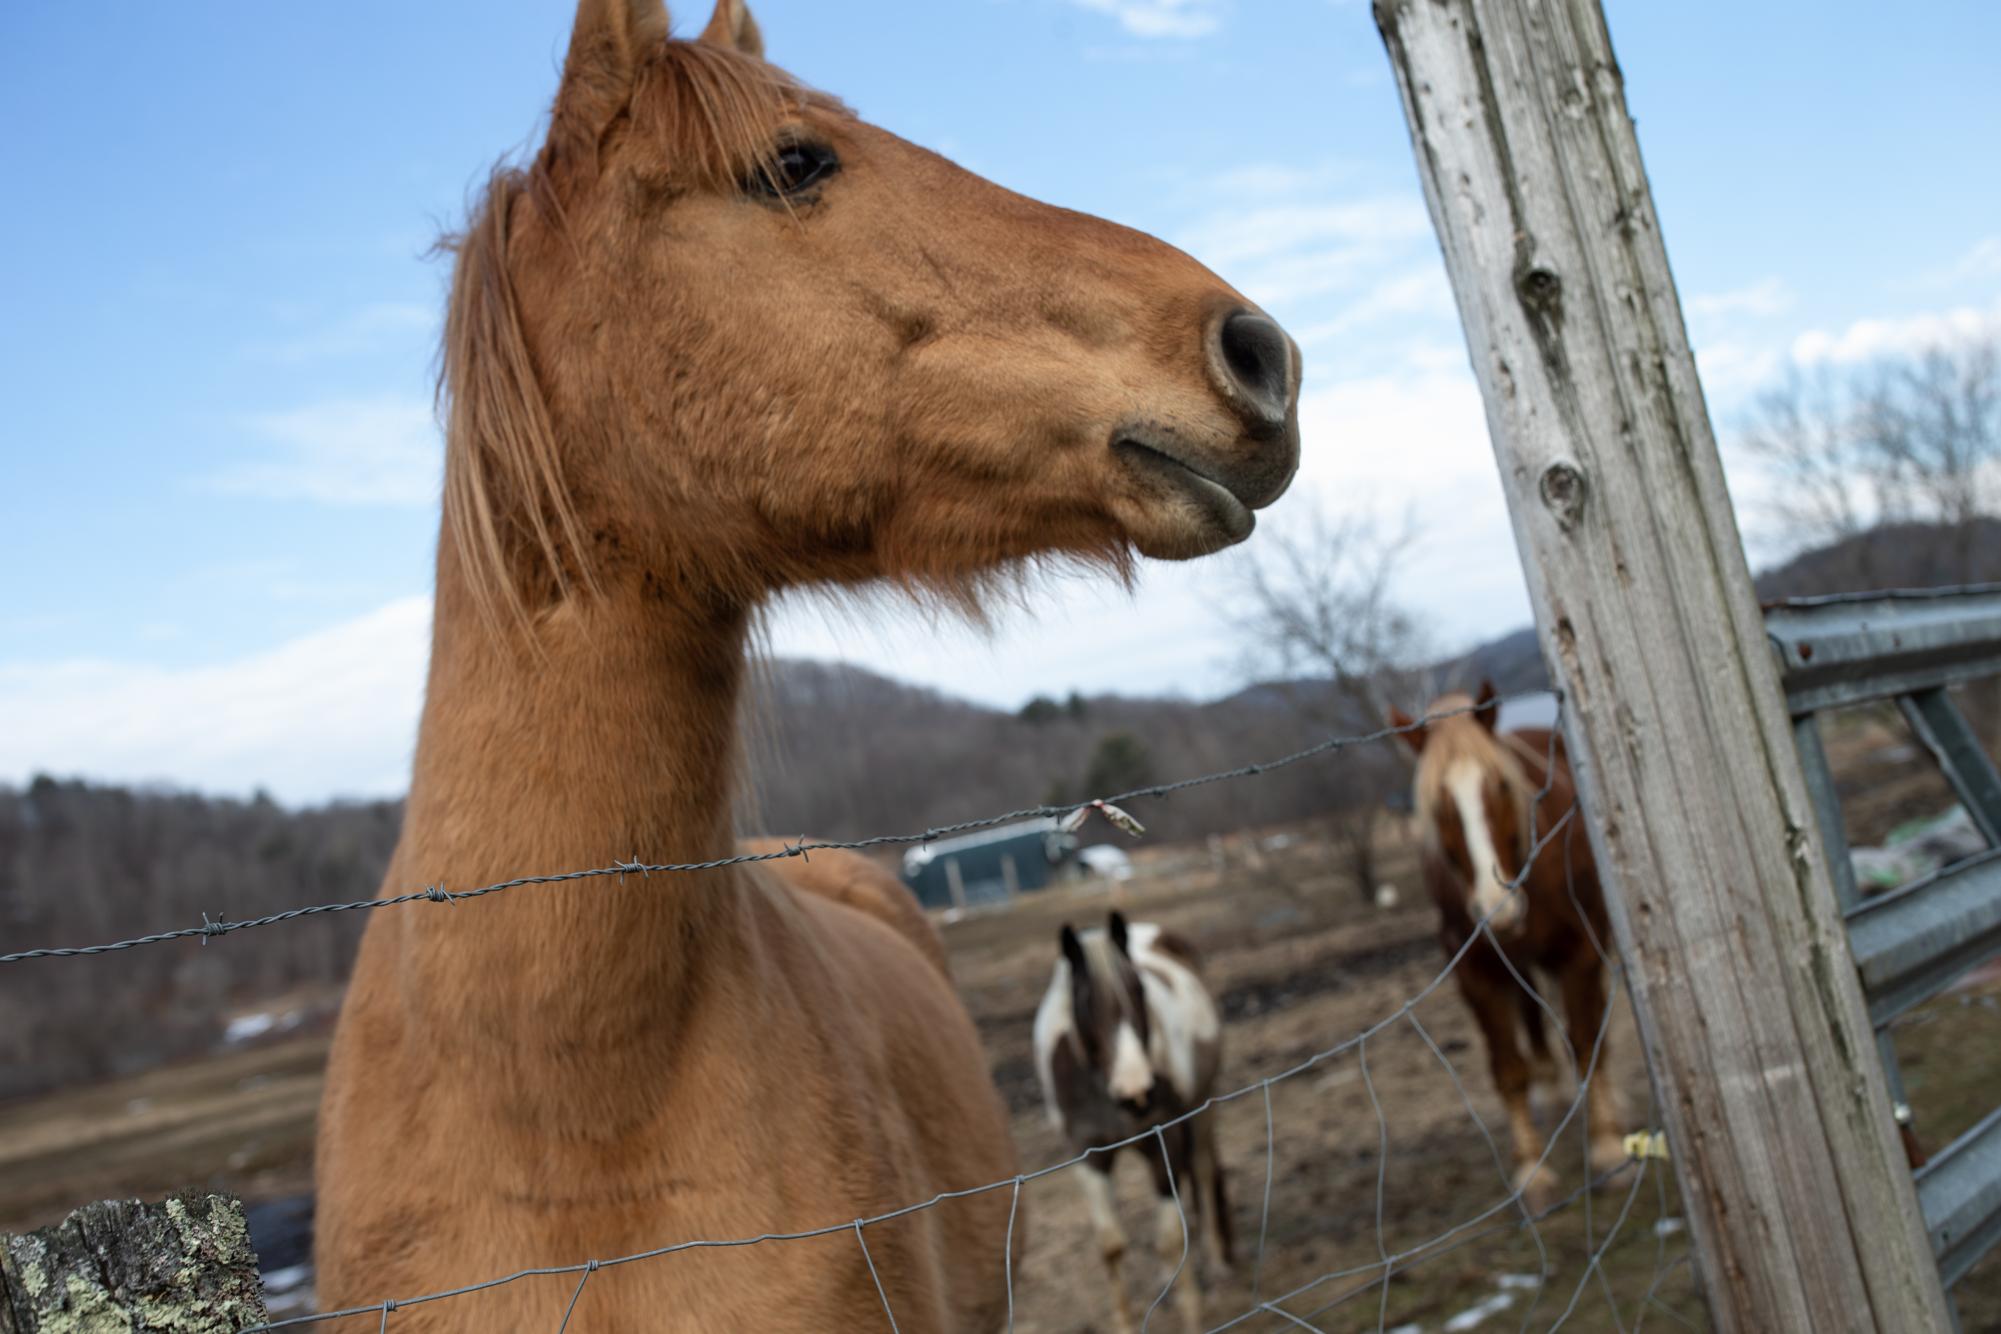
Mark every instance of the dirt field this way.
pixel 1302 965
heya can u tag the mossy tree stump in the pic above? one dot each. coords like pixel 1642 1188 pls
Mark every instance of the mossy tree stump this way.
pixel 183 1265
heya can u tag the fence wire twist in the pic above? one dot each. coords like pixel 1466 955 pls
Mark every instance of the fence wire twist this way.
pixel 1511 1213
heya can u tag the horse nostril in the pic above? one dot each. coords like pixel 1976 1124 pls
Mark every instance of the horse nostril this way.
pixel 1254 368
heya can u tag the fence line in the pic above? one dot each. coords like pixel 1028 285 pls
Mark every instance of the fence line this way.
pixel 1382 1271
pixel 437 893
pixel 1511 1213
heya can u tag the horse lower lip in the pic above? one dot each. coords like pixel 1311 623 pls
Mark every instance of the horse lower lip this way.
pixel 1213 494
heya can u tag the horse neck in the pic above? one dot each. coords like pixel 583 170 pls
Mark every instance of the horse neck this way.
pixel 615 742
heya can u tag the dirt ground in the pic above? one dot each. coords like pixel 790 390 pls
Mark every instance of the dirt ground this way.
pixel 1302 965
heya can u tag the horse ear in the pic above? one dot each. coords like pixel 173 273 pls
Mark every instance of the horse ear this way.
pixel 731 25
pixel 607 42
pixel 1118 926
pixel 1409 730
pixel 1073 948
pixel 1487 706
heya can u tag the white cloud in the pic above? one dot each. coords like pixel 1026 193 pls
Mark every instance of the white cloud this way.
pixel 1731 367
pixel 1865 340
pixel 1160 18
pixel 331 713
pixel 1240 235
pixel 1285 253
pixel 362 331
pixel 1983 261
pixel 373 451
pixel 1762 299
pixel 1418 292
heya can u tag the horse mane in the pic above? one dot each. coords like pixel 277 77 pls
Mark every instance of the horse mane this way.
pixel 1462 738
pixel 505 491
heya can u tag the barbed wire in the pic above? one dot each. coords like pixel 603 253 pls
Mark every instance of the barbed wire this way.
pixel 437 893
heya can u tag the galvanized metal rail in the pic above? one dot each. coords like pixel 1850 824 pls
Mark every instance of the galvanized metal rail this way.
pixel 1914 942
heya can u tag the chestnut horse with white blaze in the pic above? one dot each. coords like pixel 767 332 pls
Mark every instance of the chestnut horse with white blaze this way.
pixel 1488 806
pixel 719 338
pixel 1127 1039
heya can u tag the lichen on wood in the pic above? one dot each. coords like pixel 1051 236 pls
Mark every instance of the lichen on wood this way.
pixel 181 1266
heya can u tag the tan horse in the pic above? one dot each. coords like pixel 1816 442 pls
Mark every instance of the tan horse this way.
pixel 717 339
pixel 1493 852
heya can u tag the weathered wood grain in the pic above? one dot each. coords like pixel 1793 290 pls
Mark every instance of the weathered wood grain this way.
pixel 182 1266
pixel 1800 1206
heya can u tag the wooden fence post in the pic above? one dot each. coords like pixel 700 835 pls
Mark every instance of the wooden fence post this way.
pixel 1801 1209
pixel 183 1266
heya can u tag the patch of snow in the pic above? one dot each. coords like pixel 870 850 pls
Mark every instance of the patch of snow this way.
pixel 244 1027
pixel 288 1278
pixel 1106 860
pixel 1475 1316
pixel 1668 1227
pixel 247 1026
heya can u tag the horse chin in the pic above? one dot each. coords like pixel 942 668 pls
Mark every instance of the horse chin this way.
pixel 1506 917
pixel 1190 541
pixel 1185 517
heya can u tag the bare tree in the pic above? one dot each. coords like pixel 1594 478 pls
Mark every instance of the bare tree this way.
pixel 1932 427
pixel 1319 601
pixel 1803 431
pixel 1318 606
pixel 1912 439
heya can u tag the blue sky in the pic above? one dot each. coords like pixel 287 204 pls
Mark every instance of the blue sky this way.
pixel 218 495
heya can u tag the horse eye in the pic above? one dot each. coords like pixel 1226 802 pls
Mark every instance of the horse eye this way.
pixel 792 168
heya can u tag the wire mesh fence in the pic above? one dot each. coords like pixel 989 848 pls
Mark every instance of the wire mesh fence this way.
pixel 1385 1278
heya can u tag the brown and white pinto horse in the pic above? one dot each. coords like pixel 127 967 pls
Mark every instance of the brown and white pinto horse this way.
pixel 1491 851
pixel 1128 1038
pixel 716 339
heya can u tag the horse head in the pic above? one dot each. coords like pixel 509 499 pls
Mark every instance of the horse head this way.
pixel 720 337
pixel 1473 800
pixel 1108 1013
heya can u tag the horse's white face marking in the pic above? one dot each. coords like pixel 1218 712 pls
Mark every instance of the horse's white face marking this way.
pixel 1492 898
pixel 1131 1074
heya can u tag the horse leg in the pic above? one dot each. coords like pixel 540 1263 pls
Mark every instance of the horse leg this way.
pixel 1217 1232
pixel 1491 993
pixel 1584 1003
pixel 1544 1071
pixel 1178 1221
pixel 1096 1176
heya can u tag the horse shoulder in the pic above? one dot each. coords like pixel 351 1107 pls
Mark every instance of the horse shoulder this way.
pixel 1187 1023
pixel 854 881
pixel 1177 947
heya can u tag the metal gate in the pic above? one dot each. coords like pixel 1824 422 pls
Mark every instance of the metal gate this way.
pixel 1913 942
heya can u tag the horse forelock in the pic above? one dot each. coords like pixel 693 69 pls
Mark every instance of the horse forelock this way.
pixel 1450 746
